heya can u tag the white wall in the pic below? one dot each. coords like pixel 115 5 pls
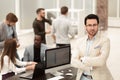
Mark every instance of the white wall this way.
pixel 27 13
pixel 6 6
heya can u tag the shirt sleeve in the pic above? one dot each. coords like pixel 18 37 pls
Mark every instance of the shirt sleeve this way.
pixel 53 28
pixel 20 63
pixel 9 64
pixel 70 30
pixel 48 21
pixel 1 34
pixel 26 55
pixel 76 59
pixel 15 33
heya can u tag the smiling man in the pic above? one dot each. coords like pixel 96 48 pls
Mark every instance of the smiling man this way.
pixel 91 53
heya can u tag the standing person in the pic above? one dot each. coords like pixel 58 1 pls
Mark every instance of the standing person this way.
pixel 8 30
pixel 35 52
pixel 61 28
pixel 8 61
pixel 39 24
pixel 92 52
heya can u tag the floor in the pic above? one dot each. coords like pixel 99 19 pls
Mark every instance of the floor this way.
pixel 114 57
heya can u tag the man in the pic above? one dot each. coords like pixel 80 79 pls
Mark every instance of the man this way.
pixel 92 52
pixel 7 30
pixel 35 52
pixel 39 24
pixel 61 28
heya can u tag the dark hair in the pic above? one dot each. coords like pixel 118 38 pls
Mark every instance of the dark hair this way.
pixel 91 16
pixel 11 17
pixel 39 34
pixel 64 10
pixel 9 50
pixel 39 9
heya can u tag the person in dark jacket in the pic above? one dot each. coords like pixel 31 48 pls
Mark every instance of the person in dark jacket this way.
pixel 39 24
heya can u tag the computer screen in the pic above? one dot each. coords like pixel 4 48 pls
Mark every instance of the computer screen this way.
pixel 57 57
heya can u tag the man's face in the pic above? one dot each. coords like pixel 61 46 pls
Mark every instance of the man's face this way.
pixel 91 27
pixel 42 13
pixel 37 40
pixel 11 23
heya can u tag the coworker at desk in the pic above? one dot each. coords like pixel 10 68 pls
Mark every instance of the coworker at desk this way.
pixel 35 52
pixel 92 52
pixel 8 60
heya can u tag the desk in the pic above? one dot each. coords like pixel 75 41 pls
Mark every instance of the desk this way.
pixel 49 75
pixel 68 70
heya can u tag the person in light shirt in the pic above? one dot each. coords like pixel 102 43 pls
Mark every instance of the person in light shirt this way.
pixel 62 27
pixel 91 52
pixel 8 61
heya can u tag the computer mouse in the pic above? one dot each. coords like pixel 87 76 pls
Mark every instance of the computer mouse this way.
pixel 69 74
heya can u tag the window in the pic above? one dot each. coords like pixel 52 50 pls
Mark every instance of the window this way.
pixel 64 3
pixel 112 8
pixel 78 4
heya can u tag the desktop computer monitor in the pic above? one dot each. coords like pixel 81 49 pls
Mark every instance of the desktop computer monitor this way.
pixel 56 57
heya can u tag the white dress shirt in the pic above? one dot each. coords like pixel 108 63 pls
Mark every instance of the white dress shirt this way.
pixel 88 46
pixel 61 29
pixel 8 66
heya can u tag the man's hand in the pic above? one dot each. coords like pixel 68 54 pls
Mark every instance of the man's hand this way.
pixel 48 32
pixel 83 61
pixel 18 45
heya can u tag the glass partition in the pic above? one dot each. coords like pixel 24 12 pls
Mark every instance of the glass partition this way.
pixel 65 3
pixel 78 4
pixel 47 4
pixel 112 8
pixel 88 6
pixel 6 6
pixel 119 9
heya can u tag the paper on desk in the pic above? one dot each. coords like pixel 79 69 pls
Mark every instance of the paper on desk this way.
pixel 56 78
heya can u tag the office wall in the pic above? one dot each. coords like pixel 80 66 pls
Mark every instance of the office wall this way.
pixel 28 11
pixel 119 8
pixel 47 4
pixel 6 6
pixel 112 8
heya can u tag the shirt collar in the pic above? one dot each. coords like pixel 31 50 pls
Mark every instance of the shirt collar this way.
pixel 93 37
pixel 64 16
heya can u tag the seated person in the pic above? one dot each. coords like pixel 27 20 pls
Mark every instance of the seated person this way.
pixel 35 52
pixel 8 61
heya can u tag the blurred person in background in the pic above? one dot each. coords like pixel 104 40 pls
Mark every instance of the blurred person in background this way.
pixel 8 30
pixel 62 28
pixel 39 24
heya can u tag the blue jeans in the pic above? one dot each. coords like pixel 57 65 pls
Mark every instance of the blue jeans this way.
pixel 84 78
